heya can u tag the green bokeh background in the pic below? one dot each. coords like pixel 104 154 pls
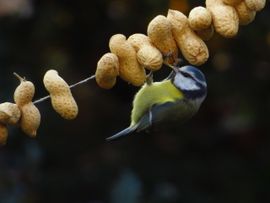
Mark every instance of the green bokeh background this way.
pixel 221 155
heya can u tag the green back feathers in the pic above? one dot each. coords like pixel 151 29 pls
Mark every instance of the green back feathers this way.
pixel 149 95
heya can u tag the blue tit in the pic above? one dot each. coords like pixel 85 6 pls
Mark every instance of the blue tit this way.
pixel 177 98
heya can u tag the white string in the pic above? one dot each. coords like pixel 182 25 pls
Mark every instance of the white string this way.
pixel 71 86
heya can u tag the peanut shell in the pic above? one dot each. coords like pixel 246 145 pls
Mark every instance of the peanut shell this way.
pixel 232 2
pixel 54 83
pixel 160 34
pixel 245 14
pixel 139 40
pixel 255 5
pixel 61 97
pixel 199 18
pixel 147 55
pixel 107 70
pixel 65 106
pixel 30 119
pixel 9 113
pixel 206 34
pixel 150 58
pixel 225 18
pixel 30 116
pixel 24 93
pixel 129 68
pixel 192 47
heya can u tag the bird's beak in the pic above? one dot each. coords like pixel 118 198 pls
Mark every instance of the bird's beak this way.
pixel 175 69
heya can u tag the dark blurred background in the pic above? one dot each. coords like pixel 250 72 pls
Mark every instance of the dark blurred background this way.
pixel 221 155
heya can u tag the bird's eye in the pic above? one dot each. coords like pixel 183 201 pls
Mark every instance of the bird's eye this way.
pixel 185 74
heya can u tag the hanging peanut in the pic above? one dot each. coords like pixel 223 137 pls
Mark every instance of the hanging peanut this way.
pixel 30 115
pixel 107 70
pixel 61 97
pixel 225 18
pixel 159 31
pixel 148 55
pixel 255 5
pixel 192 47
pixel 9 113
pixel 129 68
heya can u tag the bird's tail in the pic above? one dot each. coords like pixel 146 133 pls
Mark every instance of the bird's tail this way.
pixel 122 133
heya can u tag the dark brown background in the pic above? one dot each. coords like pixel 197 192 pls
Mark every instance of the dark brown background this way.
pixel 221 155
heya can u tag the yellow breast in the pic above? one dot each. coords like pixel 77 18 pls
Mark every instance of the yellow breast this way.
pixel 149 95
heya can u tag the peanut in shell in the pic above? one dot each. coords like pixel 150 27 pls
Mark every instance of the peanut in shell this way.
pixel 9 113
pixel 147 55
pixel 232 2
pixel 150 58
pixel 225 18
pixel 61 97
pixel 139 40
pixel 192 47
pixel 30 119
pixel 30 115
pixel 199 18
pixel 65 106
pixel 129 68
pixel 255 5
pixel 107 70
pixel 24 93
pixel 245 14
pixel 206 34
pixel 159 31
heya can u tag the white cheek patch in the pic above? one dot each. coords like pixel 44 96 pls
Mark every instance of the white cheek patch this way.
pixel 185 83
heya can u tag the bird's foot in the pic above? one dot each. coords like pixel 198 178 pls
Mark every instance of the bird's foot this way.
pixel 167 57
pixel 178 62
pixel 149 78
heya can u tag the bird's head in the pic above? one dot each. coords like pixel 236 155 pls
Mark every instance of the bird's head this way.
pixel 191 81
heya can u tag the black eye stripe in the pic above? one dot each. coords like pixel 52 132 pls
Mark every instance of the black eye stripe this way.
pixel 196 73
pixel 195 77
pixel 186 74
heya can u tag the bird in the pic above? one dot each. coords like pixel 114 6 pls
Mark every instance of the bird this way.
pixel 175 99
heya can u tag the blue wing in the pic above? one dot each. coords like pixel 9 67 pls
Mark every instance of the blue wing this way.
pixel 145 122
pixel 164 112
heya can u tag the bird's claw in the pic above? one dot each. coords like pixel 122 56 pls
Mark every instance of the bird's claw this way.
pixel 177 62
pixel 149 78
